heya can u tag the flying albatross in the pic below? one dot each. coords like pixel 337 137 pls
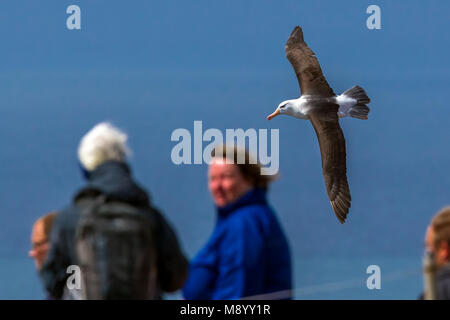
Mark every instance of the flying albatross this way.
pixel 319 104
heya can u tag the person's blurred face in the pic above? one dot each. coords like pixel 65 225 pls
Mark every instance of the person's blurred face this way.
pixel 226 182
pixel 441 252
pixel 39 243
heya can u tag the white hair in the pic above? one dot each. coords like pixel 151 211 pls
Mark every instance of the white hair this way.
pixel 102 143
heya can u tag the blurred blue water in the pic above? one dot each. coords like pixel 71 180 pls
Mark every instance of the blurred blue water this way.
pixel 152 68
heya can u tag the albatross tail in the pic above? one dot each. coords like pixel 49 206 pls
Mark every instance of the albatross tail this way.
pixel 359 109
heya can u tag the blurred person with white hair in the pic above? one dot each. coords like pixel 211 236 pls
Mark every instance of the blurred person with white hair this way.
pixel 109 221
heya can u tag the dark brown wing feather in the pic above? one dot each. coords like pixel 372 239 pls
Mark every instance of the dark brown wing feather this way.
pixel 332 149
pixel 306 67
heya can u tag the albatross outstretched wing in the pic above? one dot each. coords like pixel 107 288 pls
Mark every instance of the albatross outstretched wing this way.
pixel 332 148
pixel 306 67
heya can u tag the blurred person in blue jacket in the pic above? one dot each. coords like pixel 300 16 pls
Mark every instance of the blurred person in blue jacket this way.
pixel 247 254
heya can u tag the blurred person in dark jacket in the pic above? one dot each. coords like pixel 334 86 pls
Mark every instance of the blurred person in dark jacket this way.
pixel 102 155
pixel 247 254
pixel 437 242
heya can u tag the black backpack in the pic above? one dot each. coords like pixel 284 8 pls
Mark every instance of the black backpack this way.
pixel 116 251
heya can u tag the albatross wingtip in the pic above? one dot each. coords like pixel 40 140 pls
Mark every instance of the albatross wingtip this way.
pixel 297 33
pixel 341 213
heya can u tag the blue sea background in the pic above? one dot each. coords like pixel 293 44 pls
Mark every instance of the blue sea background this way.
pixel 152 67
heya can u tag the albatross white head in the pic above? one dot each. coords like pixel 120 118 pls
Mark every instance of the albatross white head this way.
pixel 291 108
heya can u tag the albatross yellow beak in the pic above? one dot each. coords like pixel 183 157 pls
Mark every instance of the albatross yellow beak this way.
pixel 273 115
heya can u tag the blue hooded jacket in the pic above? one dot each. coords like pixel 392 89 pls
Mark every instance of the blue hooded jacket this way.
pixel 246 255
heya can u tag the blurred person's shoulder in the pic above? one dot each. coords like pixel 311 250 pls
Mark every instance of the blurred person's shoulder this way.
pixel 443 283
pixel 251 216
pixel 67 217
